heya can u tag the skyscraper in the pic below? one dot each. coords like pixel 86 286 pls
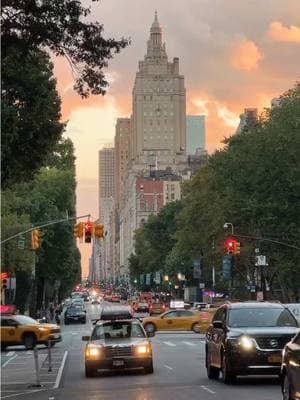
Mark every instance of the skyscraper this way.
pixel 106 178
pixel 122 138
pixel 159 107
pixel 195 133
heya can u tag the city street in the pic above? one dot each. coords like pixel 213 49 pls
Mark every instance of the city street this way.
pixel 179 372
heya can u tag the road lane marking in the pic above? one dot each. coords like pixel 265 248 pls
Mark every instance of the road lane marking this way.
pixel 29 352
pixel 207 389
pixel 189 343
pixel 167 366
pixel 60 371
pixel 8 361
pixel 170 344
pixel 21 394
pixel 10 353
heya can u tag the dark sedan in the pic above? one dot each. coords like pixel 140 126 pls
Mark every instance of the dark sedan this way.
pixel 247 339
pixel 290 370
pixel 75 313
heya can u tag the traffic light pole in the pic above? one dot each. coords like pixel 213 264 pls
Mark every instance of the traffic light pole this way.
pixel 44 226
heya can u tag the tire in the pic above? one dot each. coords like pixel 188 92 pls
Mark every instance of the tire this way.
pixel 67 322
pixel 29 341
pixel 196 328
pixel 149 369
pixel 212 372
pixel 228 377
pixel 286 388
pixel 83 321
pixel 150 327
pixel 3 347
pixel 89 372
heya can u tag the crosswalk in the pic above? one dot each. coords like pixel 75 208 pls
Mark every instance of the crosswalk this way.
pixel 199 344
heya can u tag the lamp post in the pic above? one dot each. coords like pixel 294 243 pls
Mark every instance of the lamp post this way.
pixel 227 224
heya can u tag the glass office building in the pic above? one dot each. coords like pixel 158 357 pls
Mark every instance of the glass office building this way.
pixel 195 133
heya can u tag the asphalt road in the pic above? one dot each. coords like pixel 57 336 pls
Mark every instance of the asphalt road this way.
pixel 179 373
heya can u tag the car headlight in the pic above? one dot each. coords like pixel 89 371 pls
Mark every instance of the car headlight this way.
pixel 143 349
pixel 246 343
pixel 92 352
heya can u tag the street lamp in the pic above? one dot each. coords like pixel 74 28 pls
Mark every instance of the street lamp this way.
pixel 226 226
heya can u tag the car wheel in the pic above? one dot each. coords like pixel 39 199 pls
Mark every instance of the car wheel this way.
pixel 89 372
pixel 228 376
pixel 150 327
pixel 3 347
pixel 29 341
pixel 212 372
pixel 196 328
pixel 149 368
pixel 286 388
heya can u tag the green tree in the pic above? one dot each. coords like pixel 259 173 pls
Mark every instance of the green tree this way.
pixel 65 28
pixel 30 114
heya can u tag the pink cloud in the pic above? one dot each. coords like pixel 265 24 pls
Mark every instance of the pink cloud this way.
pixel 280 33
pixel 245 55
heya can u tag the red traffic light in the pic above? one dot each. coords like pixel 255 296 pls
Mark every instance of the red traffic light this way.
pixel 4 275
pixel 230 244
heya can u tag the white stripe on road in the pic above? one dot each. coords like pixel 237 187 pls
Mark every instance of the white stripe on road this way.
pixel 29 352
pixel 170 344
pixel 58 378
pixel 207 389
pixel 10 353
pixel 189 343
pixel 167 366
pixel 21 394
pixel 6 362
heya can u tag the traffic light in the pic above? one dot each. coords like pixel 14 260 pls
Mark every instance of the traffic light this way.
pixel 35 239
pixel 88 231
pixel 237 249
pixel 4 277
pixel 78 230
pixel 99 231
pixel 230 244
pixel 3 284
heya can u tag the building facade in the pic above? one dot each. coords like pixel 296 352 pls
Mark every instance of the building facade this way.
pixel 195 133
pixel 158 135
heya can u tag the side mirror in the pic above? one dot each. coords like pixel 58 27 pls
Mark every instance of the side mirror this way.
pixel 150 334
pixel 218 324
pixel 85 338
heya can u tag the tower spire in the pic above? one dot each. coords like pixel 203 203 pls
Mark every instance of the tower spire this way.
pixel 156 48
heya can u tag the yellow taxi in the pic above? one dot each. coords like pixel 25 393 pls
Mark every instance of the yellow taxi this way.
pixel 178 320
pixel 23 330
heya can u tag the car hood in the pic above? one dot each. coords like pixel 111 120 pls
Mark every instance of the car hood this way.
pixel 121 342
pixel 272 331
pixel 48 326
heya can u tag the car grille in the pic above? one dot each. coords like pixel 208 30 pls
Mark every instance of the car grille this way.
pixel 118 351
pixel 272 343
pixel 56 330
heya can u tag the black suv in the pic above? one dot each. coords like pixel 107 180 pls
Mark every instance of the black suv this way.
pixel 247 339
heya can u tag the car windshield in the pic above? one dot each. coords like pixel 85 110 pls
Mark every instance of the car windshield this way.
pixel 75 308
pixel 24 320
pixel 295 309
pixel 260 317
pixel 118 330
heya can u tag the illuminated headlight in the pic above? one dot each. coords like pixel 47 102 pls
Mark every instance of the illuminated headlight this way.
pixel 246 343
pixel 143 349
pixel 92 352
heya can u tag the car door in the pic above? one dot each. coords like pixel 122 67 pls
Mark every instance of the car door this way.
pixel 185 319
pixel 294 363
pixel 215 336
pixel 168 320
pixel 9 330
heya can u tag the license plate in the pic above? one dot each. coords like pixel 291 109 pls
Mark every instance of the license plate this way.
pixel 275 359
pixel 118 363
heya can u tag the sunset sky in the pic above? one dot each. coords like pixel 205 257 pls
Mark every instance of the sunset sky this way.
pixel 233 54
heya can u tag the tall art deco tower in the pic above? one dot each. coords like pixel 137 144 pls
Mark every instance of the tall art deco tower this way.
pixel 158 135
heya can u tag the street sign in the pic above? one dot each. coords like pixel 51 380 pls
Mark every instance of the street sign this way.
pixel 21 242
pixel 197 267
pixel 226 266
pixel 261 261
pixel 201 285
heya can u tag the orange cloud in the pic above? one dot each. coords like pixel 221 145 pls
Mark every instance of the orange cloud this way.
pixel 245 55
pixel 280 33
